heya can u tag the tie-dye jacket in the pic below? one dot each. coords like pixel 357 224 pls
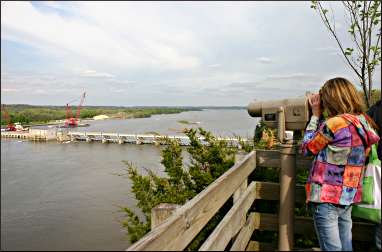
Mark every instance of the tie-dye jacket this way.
pixel 340 145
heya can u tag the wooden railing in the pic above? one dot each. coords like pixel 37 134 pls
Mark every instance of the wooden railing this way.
pixel 238 225
pixel 303 225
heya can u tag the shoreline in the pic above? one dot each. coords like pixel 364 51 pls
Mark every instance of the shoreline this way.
pixel 111 117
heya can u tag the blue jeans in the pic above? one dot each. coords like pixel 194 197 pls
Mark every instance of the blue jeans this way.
pixel 333 226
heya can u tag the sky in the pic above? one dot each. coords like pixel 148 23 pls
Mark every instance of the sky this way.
pixel 166 53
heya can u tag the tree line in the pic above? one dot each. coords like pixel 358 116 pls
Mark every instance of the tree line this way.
pixel 26 114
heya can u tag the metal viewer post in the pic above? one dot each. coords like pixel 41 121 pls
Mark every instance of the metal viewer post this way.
pixel 286 114
pixel 287 185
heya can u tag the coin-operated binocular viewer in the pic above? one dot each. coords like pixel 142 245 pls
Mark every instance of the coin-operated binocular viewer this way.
pixel 285 115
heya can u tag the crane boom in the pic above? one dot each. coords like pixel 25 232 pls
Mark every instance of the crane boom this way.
pixel 79 106
pixel 70 120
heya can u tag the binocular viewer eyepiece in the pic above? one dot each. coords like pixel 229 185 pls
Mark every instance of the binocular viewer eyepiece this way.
pixel 296 112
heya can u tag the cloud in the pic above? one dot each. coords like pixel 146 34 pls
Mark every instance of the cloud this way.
pixel 292 76
pixel 9 90
pixel 95 74
pixel 118 90
pixel 243 85
pixel 264 60
pixel 288 84
pixel 326 49
pixel 40 91
pixel 329 50
pixel 177 53
pixel 98 36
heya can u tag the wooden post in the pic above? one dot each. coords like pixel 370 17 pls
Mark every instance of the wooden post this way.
pixel 161 212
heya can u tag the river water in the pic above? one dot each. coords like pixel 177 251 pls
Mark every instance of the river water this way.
pixel 57 196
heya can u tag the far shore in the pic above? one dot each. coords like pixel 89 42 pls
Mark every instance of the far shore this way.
pixel 24 114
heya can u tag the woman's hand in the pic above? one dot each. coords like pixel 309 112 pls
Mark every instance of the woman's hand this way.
pixel 315 103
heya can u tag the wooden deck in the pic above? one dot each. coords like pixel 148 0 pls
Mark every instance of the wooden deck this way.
pixel 234 232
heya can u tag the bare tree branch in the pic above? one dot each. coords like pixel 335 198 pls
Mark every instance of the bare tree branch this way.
pixel 379 35
pixel 327 24
pixel 354 35
pixel 375 52
pixel 364 17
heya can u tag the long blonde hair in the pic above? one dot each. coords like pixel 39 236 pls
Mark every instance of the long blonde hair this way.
pixel 339 96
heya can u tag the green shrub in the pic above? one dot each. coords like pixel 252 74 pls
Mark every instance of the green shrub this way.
pixel 208 162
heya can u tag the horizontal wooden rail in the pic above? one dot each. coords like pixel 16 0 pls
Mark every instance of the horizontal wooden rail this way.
pixel 271 158
pixel 304 225
pixel 181 228
pixel 260 246
pixel 271 191
pixel 245 234
pixel 232 222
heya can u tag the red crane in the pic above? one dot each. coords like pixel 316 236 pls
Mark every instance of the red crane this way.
pixel 70 120
pixel 7 119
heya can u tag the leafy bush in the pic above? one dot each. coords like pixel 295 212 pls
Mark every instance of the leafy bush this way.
pixel 210 158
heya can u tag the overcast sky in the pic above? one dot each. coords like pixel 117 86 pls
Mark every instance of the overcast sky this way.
pixel 165 53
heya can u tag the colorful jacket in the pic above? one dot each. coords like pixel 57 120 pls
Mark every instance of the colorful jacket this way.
pixel 340 145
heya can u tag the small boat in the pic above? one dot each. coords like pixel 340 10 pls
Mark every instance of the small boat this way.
pixel 79 125
pixel 83 125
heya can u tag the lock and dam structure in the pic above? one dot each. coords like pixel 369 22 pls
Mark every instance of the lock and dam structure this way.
pixel 104 137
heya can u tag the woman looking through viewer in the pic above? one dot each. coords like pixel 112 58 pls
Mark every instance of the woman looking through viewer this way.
pixel 339 135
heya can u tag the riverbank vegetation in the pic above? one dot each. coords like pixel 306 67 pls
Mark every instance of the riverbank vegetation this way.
pixel 187 122
pixel 28 114
pixel 183 122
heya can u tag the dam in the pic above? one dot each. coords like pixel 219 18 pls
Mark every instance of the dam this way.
pixel 105 137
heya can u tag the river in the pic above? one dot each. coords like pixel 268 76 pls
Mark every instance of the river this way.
pixel 57 196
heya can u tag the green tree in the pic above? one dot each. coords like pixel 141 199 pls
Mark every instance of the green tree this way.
pixel 364 18
pixel 210 158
